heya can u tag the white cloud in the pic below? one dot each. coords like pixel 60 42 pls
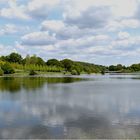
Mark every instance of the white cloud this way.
pixel 9 29
pixel 62 30
pixel 99 13
pixel 40 9
pixel 93 17
pixel 116 25
pixel 123 35
pixel 126 43
pixel 131 23
pixel 5 50
pixel 37 4
pixel 14 11
pixel 80 28
pixel 53 25
pixel 38 38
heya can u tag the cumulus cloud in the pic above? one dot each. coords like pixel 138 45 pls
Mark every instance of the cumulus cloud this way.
pixel 91 18
pixel 116 25
pixel 53 25
pixel 65 31
pixel 80 29
pixel 99 12
pixel 32 9
pixel 39 9
pixel 38 38
pixel 10 29
pixel 14 11
pixel 5 50
pixel 126 42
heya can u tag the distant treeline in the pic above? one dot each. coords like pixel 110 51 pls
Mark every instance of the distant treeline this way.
pixel 14 61
pixel 123 69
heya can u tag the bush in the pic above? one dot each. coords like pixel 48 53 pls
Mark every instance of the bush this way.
pixel 74 72
pixel 32 72
pixel 1 72
pixel 7 68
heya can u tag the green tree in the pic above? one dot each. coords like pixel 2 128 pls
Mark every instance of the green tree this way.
pixel 54 62
pixel 15 58
pixel 135 67
pixel 67 63
pixel 33 60
pixel 112 68
pixel 74 72
pixel 40 61
pixel 7 68
pixel 119 67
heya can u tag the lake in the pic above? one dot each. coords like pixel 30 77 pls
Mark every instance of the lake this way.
pixel 84 106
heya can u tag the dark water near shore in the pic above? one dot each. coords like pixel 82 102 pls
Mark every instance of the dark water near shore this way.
pixel 70 107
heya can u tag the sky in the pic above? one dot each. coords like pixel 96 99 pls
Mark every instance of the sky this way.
pixel 97 31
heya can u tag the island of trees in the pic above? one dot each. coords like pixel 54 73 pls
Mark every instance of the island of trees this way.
pixel 14 62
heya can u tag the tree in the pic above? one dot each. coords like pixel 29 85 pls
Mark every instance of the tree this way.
pixel 119 67
pixel 15 58
pixel 54 62
pixel 67 63
pixel 74 72
pixel 39 61
pixel 26 60
pixel 135 67
pixel 4 58
pixel 7 68
pixel 76 67
pixel 112 68
pixel 33 60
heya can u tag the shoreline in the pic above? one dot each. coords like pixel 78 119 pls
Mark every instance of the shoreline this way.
pixel 60 74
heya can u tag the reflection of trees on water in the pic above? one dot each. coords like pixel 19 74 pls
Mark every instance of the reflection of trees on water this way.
pixel 14 84
pixel 9 84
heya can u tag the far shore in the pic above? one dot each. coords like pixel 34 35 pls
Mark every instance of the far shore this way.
pixel 61 74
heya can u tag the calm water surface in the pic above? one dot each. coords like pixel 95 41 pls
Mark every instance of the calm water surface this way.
pixel 70 107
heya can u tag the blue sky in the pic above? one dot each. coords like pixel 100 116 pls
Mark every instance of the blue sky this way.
pixel 97 31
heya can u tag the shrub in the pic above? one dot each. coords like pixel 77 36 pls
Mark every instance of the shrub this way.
pixel 74 72
pixel 1 72
pixel 32 72
pixel 7 68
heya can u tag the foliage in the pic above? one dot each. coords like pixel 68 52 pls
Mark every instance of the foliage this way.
pixel 54 62
pixel 1 72
pixel 33 60
pixel 52 65
pixel 118 67
pixel 2 62
pixel 74 72
pixel 67 64
pixel 7 68
pixel 14 57
pixel 32 72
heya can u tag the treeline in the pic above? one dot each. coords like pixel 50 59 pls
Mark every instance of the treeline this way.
pixel 14 61
pixel 123 69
